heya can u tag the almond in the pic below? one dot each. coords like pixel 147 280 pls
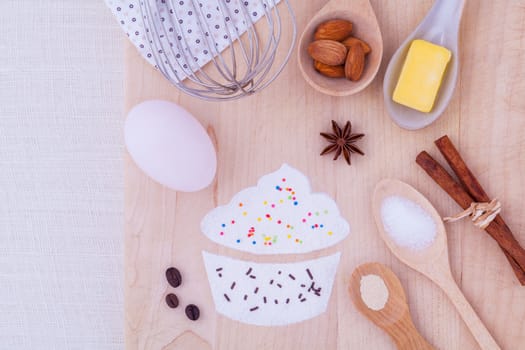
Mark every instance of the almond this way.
pixel 330 71
pixel 328 52
pixel 350 41
pixel 355 63
pixel 334 29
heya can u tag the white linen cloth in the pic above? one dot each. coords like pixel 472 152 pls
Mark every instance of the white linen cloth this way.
pixel 61 183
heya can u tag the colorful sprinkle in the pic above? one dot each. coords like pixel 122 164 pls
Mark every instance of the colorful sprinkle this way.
pixel 238 241
pixel 330 233
pixel 223 225
pixel 283 179
pixel 244 213
pixel 295 203
pixel 240 204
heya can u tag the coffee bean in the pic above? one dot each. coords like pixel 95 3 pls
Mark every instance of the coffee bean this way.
pixel 192 311
pixel 174 277
pixel 172 300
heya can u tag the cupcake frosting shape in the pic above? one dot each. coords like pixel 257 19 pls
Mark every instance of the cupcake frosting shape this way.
pixel 280 215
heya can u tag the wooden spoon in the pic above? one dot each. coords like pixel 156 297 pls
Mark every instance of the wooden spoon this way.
pixel 366 28
pixel 431 261
pixel 394 318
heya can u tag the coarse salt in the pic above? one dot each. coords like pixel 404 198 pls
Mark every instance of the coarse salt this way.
pixel 373 292
pixel 407 223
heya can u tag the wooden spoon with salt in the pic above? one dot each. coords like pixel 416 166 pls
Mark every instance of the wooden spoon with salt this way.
pixel 432 261
pixel 394 317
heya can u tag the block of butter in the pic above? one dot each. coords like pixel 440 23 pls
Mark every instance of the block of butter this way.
pixel 421 75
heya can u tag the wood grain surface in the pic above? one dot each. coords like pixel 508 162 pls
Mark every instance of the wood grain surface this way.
pixel 255 135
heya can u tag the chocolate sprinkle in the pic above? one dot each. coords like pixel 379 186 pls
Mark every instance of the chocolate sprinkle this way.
pixel 256 290
pixel 303 285
pixel 276 301
pixel 220 275
pixel 264 299
pixel 245 296
pixel 309 274
pixel 252 277
pixel 218 269
pixel 232 286
pixel 254 308
pixel 303 300
pixel 279 272
pixel 291 276
pixel 279 285
pixel 249 270
pixel 271 281
pixel 287 300
pixel 226 297
pixel 300 296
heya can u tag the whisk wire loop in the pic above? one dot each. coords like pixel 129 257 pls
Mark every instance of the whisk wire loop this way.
pixel 238 63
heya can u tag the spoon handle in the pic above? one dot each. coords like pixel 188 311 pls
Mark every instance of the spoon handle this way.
pixel 477 328
pixel 448 12
pixel 406 336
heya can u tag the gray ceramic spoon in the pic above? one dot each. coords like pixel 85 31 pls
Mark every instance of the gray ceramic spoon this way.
pixel 441 27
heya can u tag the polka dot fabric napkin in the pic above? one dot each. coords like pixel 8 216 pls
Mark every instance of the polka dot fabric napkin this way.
pixel 188 29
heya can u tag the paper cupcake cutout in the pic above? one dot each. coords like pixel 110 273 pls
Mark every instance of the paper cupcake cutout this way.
pixel 270 294
pixel 280 215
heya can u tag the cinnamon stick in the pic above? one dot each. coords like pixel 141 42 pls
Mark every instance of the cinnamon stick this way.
pixel 465 176
pixel 473 187
pixel 463 199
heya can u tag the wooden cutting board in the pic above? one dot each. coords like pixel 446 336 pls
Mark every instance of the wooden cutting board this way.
pixel 254 136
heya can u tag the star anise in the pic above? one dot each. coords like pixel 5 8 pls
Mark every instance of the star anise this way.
pixel 342 141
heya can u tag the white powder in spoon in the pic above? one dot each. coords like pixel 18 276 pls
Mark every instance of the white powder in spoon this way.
pixel 373 292
pixel 407 223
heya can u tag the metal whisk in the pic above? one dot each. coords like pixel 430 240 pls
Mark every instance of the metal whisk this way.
pixel 213 49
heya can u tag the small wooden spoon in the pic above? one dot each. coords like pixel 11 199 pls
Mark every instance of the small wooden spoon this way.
pixel 431 261
pixel 362 15
pixel 394 318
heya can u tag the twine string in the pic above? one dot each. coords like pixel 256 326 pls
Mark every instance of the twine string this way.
pixel 481 214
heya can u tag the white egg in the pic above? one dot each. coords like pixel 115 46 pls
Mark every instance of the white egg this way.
pixel 170 145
